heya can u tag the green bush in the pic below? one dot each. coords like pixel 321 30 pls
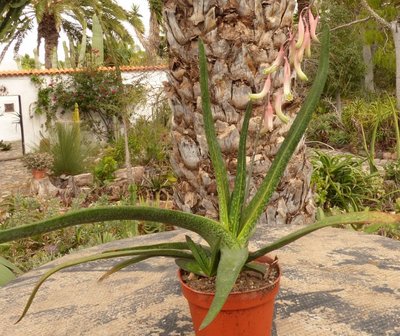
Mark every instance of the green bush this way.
pixel 105 169
pixel 328 129
pixel 340 181
pixel 149 141
pixel 361 113
pixel 69 148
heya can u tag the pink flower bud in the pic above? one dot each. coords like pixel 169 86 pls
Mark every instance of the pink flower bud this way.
pixel 299 71
pixel 313 25
pixel 278 108
pixel 269 117
pixel 300 37
pixel 287 81
pixel 277 63
pixel 307 42
pixel 265 90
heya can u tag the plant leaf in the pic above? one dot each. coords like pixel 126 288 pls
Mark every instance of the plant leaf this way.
pixel 256 206
pixel 173 245
pixel 238 193
pixel 213 146
pixel 200 255
pixel 191 266
pixel 364 217
pixel 214 260
pixel 122 265
pixel 99 256
pixel 230 265
pixel 6 275
pixel 207 228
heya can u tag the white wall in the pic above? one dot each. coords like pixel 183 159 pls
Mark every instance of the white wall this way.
pixel 10 129
pixel 34 125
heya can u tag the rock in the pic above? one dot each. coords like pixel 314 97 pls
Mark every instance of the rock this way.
pixel 137 173
pixel 43 188
pixel 83 180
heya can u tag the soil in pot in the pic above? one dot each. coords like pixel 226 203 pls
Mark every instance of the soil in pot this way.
pixel 248 310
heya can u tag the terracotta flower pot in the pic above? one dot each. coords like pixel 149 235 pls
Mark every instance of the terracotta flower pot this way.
pixel 249 313
pixel 38 174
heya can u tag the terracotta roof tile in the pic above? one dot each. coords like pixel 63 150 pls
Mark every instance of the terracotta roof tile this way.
pixel 44 72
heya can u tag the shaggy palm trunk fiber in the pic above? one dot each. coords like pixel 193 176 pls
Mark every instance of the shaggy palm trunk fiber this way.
pixel 242 37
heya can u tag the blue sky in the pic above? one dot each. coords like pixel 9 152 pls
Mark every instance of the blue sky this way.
pixel 30 41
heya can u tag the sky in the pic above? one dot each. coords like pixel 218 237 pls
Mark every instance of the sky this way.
pixel 30 41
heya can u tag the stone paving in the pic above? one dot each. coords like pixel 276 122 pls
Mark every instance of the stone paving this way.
pixel 15 178
pixel 334 282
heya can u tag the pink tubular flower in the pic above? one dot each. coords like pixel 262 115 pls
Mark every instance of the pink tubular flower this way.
pixel 265 90
pixel 278 108
pixel 287 81
pixel 313 25
pixel 269 117
pixel 292 49
pixel 299 71
pixel 307 42
pixel 277 63
pixel 300 37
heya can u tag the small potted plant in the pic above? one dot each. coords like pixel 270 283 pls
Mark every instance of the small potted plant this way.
pixel 38 163
pixel 224 255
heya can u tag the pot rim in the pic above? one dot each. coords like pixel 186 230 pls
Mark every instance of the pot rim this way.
pixel 269 287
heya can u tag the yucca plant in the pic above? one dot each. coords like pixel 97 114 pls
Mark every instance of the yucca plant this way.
pixel 227 251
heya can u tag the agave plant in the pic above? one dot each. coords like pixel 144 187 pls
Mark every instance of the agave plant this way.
pixel 226 252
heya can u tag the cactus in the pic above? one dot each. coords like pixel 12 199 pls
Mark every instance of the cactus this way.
pixel 36 55
pixel 72 51
pixel 97 41
pixel 68 64
pixel 82 47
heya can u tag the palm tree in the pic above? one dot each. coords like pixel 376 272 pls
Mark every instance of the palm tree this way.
pixel 241 37
pixel 52 16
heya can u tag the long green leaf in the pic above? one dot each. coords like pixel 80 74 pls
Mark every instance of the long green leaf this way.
pixel 200 255
pixel 99 256
pixel 207 228
pixel 191 266
pixel 230 265
pixel 365 217
pixel 123 265
pixel 254 209
pixel 213 146
pixel 238 193
pixel 172 245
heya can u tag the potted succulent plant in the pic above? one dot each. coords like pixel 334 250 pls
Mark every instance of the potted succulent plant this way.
pixel 225 254
pixel 38 163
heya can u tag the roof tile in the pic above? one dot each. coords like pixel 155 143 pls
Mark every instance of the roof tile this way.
pixel 44 72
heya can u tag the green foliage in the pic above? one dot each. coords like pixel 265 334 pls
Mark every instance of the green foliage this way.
pixel 149 141
pixel 105 169
pixel 69 149
pixel 392 171
pixel 39 161
pixel 346 71
pixel 101 96
pixel 326 127
pixel 340 181
pixel 365 114
pixel 4 147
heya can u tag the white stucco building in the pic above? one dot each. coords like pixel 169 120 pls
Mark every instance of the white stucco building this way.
pixel 18 96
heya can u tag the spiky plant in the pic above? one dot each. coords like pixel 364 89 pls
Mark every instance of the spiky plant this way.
pixel 227 251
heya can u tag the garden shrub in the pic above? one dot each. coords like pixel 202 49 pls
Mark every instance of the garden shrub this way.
pixel 70 148
pixel 340 181
pixel 105 169
pixel 363 113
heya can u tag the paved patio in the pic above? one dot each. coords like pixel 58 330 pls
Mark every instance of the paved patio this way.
pixel 335 282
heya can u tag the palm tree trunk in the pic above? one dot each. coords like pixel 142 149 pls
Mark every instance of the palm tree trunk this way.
pixel 241 38
pixel 47 29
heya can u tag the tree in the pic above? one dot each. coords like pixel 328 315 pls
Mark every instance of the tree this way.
pixel 391 24
pixel 241 37
pixel 69 15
